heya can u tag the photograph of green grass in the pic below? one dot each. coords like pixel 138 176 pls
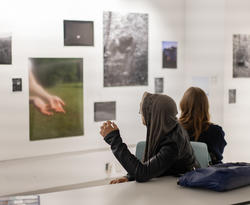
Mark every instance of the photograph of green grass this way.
pixel 56 98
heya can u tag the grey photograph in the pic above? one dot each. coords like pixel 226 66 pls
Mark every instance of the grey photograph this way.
pixel 125 49
pixel 241 56
pixel 232 96
pixel 5 49
pixel 16 84
pixel 159 85
pixel 104 111
pixel 78 33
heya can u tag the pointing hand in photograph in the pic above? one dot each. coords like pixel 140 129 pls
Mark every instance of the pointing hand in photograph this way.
pixel 56 104
pixel 41 105
pixel 44 101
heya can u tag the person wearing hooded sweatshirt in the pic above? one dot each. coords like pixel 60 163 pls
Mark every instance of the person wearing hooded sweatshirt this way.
pixel 168 150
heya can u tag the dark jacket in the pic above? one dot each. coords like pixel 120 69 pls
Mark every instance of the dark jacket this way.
pixel 214 138
pixel 174 155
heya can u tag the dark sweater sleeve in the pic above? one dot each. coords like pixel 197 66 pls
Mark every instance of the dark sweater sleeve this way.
pixel 142 172
pixel 130 177
pixel 217 144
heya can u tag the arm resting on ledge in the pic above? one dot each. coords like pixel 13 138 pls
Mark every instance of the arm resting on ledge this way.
pixel 142 172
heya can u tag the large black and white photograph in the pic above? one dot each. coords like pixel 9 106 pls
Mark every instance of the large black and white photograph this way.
pixel 159 85
pixel 232 96
pixel 78 33
pixel 125 49
pixel 241 56
pixel 104 111
pixel 5 49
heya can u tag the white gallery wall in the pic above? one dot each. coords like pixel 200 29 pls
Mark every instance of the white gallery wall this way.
pixel 204 49
pixel 209 29
pixel 36 28
pixel 37 31
pixel 236 116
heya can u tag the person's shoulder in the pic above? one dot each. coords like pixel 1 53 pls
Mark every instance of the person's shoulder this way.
pixel 179 133
pixel 215 128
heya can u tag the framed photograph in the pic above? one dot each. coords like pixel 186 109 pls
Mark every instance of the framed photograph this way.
pixel 16 84
pixel 169 54
pixel 78 33
pixel 125 49
pixel 5 49
pixel 159 85
pixel 56 98
pixel 232 96
pixel 104 111
pixel 241 56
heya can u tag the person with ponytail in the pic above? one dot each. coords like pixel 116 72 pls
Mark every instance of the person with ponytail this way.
pixel 195 119
pixel 168 150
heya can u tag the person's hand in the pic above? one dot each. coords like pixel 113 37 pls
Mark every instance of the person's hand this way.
pixel 108 127
pixel 56 104
pixel 119 180
pixel 41 106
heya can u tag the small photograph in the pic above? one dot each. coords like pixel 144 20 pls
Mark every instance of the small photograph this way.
pixel 159 85
pixel 78 33
pixel 125 49
pixel 169 54
pixel 104 111
pixel 232 96
pixel 20 200
pixel 241 56
pixel 55 98
pixel 5 49
pixel 16 84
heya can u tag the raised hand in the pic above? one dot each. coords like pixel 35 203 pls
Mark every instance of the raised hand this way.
pixel 108 127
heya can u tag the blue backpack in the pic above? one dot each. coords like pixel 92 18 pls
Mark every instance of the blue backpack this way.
pixel 221 177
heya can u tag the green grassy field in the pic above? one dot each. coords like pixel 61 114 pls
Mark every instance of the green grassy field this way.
pixel 60 124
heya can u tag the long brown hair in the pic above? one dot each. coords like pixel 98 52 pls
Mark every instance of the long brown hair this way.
pixel 195 116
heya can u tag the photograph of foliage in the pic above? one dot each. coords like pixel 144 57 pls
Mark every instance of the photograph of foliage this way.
pixel 125 49
pixel 241 56
pixel 5 49
pixel 169 54
pixel 56 97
